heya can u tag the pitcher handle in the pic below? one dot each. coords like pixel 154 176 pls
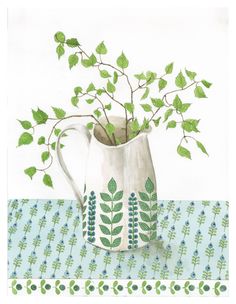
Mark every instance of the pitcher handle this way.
pixel 85 133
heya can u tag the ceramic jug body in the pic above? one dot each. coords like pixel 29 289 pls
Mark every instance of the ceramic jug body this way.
pixel 119 204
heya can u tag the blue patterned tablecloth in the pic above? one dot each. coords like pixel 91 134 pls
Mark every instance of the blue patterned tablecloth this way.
pixel 45 241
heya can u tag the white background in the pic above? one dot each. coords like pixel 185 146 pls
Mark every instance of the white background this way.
pixel 3 154
pixel 151 38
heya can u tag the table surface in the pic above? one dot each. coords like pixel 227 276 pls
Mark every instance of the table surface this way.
pixel 45 241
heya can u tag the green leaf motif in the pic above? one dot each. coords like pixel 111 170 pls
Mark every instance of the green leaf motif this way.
pixel 47 180
pixel 101 49
pixel 201 147
pixel 105 208
pixel 30 171
pixel 108 106
pixel 146 107
pixel 146 93
pixel 59 37
pixel 158 103
pixel 112 186
pixel 117 207
pixel 180 80
pixel 73 59
pixel 149 186
pixel 110 87
pixel 117 230
pixel 117 218
pixel 177 103
pixel 190 125
pixel 122 61
pixel 118 196
pixel 60 51
pixel 135 125
pixel 129 107
pixel 144 237
pixel 116 242
pixel 199 93
pixel 25 139
pixel 25 124
pixel 182 151
pixel 115 77
pixel 144 196
pixel 162 84
pixel 72 42
pixel 89 101
pixel 145 217
pixel 104 74
pixel 90 125
pixel 59 113
pixel 144 226
pixel 45 155
pixel 169 68
pixel 97 113
pixel 74 101
pixel 140 76
pixel 41 140
pixel 206 83
pixel 78 90
pixel 39 116
pixel 144 206
pixel 105 242
pixel 90 88
pixel 191 75
pixel 105 230
pixel 184 107
pixel 156 121
pixel 105 197
pixel 150 77
pixel 105 219
pixel 110 128
pixel 167 114
pixel 171 124
pixel 91 61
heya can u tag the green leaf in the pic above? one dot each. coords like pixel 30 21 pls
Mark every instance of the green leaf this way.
pixel 149 186
pixel 25 139
pixel 140 76
pixel 134 125
pixel 59 37
pixel 157 102
pixel 90 88
pixel 201 147
pixel 129 107
pixel 90 125
pixel 116 242
pixel 154 197
pixel 108 106
pixel 47 180
pixel 44 156
pixel 73 59
pixel 60 51
pixel 74 101
pixel 100 92
pixel 184 107
pixel 41 140
pixel 145 217
pixel 183 152
pixel 146 93
pixel 105 230
pixel 199 93
pixel 144 206
pixel 122 61
pixel 145 124
pixel 162 84
pixel 171 124
pixel 115 77
pixel 151 77
pixel 90 100
pixel 144 226
pixel 105 219
pixel 97 113
pixel 169 68
pixel 180 80
pixel 78 90
pixel 177 103
pixel 91 61
pixel 116 219
pixel 116 230
pixel 30 171
pixel 110 128
pixel 105 197
pixel 101 48
pixel 190 125
pixel 206 83
pixel 144 237
pixel 57 132
pixel 110 87
pixel 72 42
pixel 191 75
pixel 144 196
pixel 118 196
pixel 156 121
pixel 59 113
pixel 39 116
pixel 104 74
pixel 53 146
pixel 167 114
pixel 146 107
pixel 25 124
pixel 105 208
pixel 117 207
pixel 105 242
pixel 112 186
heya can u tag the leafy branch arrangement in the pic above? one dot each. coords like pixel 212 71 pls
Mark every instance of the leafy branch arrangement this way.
pixel 146 92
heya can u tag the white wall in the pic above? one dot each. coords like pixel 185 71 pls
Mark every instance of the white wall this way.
pixel 151 38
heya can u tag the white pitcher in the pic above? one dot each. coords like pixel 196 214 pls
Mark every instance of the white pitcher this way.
pixel 119 203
